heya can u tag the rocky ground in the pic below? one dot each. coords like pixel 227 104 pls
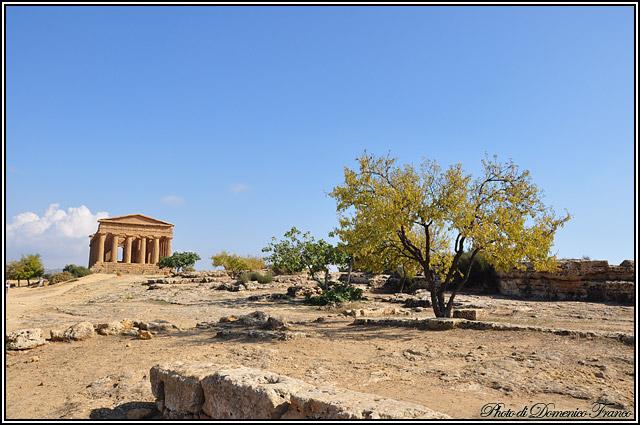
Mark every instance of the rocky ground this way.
pixel 458 371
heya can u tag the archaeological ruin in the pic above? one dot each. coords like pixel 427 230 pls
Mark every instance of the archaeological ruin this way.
pixel 142 239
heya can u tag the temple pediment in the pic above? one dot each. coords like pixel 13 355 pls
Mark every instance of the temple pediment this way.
pixel 134 219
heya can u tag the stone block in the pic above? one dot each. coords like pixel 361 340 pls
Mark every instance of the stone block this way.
pixel 245 393
pixel 111 328
pixel 441 324
pixel 79 331
pixel 193 390
pixel 25 339
pixel 178 385
pixel 56 335
pixel 470 314
pixel 337 403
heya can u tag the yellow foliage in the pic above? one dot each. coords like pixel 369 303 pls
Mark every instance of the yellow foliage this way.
pixel 424 217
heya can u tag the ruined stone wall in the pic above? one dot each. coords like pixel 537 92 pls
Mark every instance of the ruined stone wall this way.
pixel 194 390
pixel 579 280
pixel 126 268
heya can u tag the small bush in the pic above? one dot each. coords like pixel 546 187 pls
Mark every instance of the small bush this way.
pixel 236 264
pixel 189 269
pixel 265 278
pixel 77 271
pixel 337 293
pixel 256 277
pixel 60 277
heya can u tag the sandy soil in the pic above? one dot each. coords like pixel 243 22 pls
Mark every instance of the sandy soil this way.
pixel 456 372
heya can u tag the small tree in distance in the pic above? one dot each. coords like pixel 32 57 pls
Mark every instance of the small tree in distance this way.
pixel 178 260
pixel 300 251
pixel 428 216
pixel 27 268
pixel 235 264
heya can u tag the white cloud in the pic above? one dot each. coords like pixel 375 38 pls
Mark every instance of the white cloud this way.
pixel 238 187
pixel 172 200
pixel 60 236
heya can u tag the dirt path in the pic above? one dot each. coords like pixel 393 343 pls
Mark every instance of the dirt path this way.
pixel 455 372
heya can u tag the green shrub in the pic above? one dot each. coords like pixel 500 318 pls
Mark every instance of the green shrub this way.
pixel 236 264
pixel 265 278
pixel 337 293
pixel 256 277
pixel 77 271
pixel 61 277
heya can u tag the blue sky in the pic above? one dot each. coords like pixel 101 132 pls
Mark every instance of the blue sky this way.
pixel 233 122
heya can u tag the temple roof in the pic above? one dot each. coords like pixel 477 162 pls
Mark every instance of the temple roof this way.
pixel 135 219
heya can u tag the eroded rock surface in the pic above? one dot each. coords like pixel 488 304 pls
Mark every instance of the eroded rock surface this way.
pixel 189 390
pixel 25 339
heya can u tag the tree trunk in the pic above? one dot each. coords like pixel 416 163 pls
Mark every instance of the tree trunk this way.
pixel 449 309
pixel 349 272
pixel 436 297
pixel 326 280
pixel 404 278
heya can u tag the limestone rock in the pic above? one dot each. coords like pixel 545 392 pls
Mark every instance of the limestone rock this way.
pixel 414 302
pixel 276 324
pixel 193 390
pixel 301 291
pixel 145 335
pixel 159 326
pixel 131 332
pixel 581 280
pixel 79 331
pixel 178 385
pixel 338 403
pixel 56 335
pixel 245 393
pixel 470 314
pixel 441 324
pixel 25 339
pixel 111 328
pixel 259 334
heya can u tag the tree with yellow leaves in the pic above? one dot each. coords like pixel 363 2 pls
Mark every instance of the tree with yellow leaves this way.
pixel 426 218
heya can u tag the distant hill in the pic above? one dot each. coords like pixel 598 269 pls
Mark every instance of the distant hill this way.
pixel 52 271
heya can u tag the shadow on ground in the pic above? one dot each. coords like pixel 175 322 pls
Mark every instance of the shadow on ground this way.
pixel 131 410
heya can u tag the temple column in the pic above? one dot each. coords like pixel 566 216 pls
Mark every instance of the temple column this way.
pixel 169 247
pixel 143 250
pixel 164 247
pixel 101 238
pixel 114 248
pixel 92 254
pixel 126 255
pixel 156 250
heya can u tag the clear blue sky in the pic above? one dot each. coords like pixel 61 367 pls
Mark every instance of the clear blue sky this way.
pixel 233 122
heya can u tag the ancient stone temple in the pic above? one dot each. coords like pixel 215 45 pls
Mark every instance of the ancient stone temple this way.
pixel 141 240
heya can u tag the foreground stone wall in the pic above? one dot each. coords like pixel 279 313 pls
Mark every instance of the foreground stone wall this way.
pixel 579 280
pixel 195 390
